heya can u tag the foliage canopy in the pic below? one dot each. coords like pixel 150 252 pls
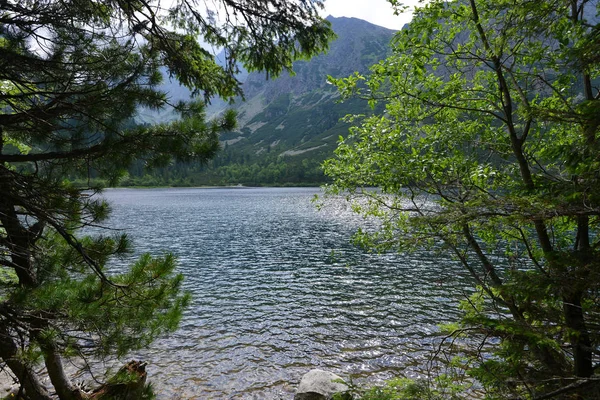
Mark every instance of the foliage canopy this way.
pixel 488 151
pixel 72 75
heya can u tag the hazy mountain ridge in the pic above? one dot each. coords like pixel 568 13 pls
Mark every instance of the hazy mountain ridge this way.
pixel 293 119
pixel 359 45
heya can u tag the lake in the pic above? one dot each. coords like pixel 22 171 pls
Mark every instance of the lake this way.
pixel 278 290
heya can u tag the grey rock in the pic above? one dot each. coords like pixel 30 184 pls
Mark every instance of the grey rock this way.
pixel 317 384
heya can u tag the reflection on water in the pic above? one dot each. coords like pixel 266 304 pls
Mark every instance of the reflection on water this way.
pixel 278 290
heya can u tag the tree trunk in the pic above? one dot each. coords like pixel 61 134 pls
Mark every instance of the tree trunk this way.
pixel 579 337
pixel 27 377
pixel 17 237
pixel 62 384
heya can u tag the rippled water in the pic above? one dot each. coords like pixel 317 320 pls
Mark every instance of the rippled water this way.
pixel 278 290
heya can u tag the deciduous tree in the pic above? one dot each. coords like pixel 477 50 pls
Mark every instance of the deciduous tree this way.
pixel 488 151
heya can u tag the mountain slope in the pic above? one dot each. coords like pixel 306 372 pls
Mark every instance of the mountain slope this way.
pixel 292 123
pixel 299 116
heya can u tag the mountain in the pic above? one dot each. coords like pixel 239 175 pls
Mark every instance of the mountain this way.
pixel 294 110
pixel 289 125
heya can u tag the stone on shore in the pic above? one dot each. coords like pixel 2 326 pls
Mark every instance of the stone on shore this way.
pixel 317 384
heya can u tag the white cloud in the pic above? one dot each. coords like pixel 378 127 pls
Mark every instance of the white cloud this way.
pixel 378 12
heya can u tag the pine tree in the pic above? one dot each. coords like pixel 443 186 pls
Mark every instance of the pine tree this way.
pixel 72 75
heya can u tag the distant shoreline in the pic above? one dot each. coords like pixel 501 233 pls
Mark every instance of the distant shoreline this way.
pixel 219 186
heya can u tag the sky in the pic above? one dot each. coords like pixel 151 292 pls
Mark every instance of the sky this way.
pixel 378 12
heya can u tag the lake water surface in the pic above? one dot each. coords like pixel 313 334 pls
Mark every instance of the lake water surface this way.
pixel 278 290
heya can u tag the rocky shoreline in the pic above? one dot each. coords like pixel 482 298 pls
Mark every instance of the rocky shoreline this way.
pixel 314 385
